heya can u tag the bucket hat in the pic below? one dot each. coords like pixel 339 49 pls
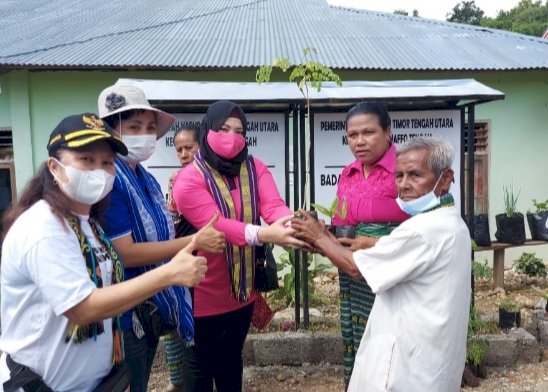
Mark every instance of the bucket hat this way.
pixel 121 98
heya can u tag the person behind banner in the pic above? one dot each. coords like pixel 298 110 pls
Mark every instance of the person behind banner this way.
pixel 224 179
pixel 415 339
pixel 185 141
pixel 367 194
pixel 186 145
pixel 62 279
pixel 140 226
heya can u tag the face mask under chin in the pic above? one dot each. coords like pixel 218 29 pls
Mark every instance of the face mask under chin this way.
pixel 420 204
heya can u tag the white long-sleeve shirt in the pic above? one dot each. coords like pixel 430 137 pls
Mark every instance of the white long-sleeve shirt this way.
pixel 415 339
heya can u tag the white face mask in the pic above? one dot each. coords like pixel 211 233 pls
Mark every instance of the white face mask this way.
pixel 140 147
pixel 86 186
pixel 420 204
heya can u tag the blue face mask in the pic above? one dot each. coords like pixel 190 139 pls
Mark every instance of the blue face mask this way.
pixel 420 204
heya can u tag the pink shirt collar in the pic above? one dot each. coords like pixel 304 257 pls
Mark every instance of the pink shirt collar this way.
pixel 388 161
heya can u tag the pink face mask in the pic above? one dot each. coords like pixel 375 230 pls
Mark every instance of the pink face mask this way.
pixel 225 144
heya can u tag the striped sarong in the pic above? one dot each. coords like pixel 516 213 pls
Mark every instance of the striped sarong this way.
pixel 174 350
pixel 356 301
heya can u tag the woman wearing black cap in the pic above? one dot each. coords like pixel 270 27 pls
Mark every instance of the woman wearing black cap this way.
pixel 225 180
pixel 62 280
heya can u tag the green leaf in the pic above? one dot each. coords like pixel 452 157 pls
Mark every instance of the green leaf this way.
pixel 323 210
pixel 263 74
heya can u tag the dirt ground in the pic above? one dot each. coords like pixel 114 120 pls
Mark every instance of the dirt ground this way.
pixel 328 378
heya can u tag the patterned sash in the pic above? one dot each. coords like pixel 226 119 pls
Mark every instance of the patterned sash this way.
pixel 446 200
pixel 240 260
pixel 151 222
pixel 78 334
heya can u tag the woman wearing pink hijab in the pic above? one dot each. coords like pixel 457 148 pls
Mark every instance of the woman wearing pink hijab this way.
pixel 224 178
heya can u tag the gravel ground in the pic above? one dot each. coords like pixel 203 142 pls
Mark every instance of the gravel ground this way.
pixel 328 378
pixel 523 378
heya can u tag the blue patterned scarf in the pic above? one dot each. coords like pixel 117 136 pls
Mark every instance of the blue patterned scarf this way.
pixel 151 222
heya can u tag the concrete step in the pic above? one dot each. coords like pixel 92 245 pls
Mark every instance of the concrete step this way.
pixel 293 348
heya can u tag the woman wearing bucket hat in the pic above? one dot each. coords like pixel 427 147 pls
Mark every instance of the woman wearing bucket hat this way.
pixel 140 226
pixel 62 279
pixel 225 180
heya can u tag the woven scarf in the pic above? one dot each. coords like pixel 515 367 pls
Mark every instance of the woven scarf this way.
pixel 375 230
pixel 240 260
pixel 77 333
pixel 151 222
pixel 446 200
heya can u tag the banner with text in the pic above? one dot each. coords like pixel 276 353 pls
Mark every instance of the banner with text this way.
pixel 332 154
pixel 265 136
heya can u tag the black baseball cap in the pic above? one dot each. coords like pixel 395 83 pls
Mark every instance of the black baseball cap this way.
pixel 80 130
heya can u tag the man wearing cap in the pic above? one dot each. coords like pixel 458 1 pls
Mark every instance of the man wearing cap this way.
pixel 415 339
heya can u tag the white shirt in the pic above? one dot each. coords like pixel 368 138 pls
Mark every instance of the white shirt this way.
pixel 44 274
pixel 415 339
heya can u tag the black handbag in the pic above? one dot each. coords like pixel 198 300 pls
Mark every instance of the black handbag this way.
pixel 152 322
pixel 266 271
pixel 23 377
pixel 117 380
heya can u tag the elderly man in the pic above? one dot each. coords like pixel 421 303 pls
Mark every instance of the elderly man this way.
pixel 415 339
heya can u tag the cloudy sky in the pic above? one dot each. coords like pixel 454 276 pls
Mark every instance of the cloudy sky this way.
pixel 427 8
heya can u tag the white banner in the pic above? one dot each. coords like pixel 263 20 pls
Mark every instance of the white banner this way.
pixel 265 139
pixel 332 154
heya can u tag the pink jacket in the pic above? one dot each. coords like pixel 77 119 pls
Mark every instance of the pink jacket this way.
pixel 371 199
pixel 194 201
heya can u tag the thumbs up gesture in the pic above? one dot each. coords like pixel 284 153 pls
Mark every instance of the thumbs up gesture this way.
pixel 188 270
pixel 208 239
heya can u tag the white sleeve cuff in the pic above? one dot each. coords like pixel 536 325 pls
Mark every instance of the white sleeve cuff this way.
pixel 252 235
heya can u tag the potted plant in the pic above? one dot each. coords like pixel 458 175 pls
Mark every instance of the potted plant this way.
pixel 476 349
pixel 509 313
pixel 333 211
pixel 510 225
pixel 481 235
pixel 537 220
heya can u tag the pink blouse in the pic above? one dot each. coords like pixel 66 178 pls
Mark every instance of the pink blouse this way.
pixel 194 201
pixel 371 199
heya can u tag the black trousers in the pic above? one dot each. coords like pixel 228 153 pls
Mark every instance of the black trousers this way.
pixel 217 353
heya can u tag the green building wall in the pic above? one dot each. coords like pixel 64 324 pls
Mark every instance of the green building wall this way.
pixel 33 102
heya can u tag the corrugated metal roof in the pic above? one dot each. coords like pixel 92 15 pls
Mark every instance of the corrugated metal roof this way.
pixel 196 34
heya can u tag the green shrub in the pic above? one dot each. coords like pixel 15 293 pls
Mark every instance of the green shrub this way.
pixel 530 264
pixel 509 304
pixel 286 293
pixel 482 271
pixel 540 206
pixel 478 326
pixel 476 349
